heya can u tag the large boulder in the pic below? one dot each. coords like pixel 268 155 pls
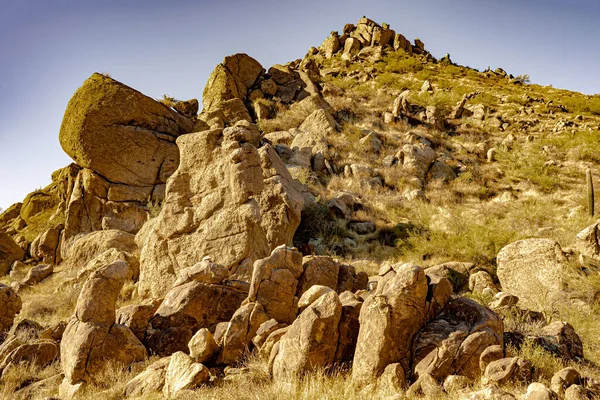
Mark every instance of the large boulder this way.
pixel 311 341
pixel 92 339
pixel 227 200
pixel 121 134
pixel 389 320
pixel 230 80
pixel 452 343
pixel 534 271
pixel 9 252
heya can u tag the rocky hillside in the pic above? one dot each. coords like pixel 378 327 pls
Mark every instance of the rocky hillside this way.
pixel 365 222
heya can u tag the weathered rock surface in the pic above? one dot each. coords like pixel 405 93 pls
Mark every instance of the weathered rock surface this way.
pixel 9 252
pixel 37 354
pixel 560 338
pixel 38 274
pixel 321 271
pixel 311 341
pixel 533 270
pixel 87 247
pixel 452 343
pixel 230 80
pixel 241 329
pixel 227 200
pixel 389 320
pixel 137 317
pixel 150 381
pixel 45 247
pixel 10 306
pixel 121 134
pixel 203 346
pixel 539 391
pixel 274 283
pixel 515 369
pixel 92 339
pixel 183 373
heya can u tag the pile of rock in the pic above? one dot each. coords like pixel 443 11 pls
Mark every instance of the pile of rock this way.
pixel 367 33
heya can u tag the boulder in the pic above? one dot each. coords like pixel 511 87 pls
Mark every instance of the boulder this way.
pixel 230 80
pixel 241 329
pixel 137 317
pixel 331 45
pixel 563 379
pixel 348 327
pixel 320 122
pixel 452 343
pixel 456 383
pixel 87 247
pixel 183 373
pixel 10 305
pixel 311 295
pixel 587 244
pixel 150 381
pixel 318 270
pixel 186 308
pixel 539 391
pixel 275 282
pixel 456 272
pixel 38 354
pixel 481 280
pixel 45 247
pixel 264 330
pixel 38 274
pixel 491 353
pixel 389 320
pixel 9 252
pixel 533 270
pixel 416 159
pixel 203 346
pixel 505 370
pixel 227 200
pixel 121 134
pixel 311 341
pixel 560 339
pixel 92 340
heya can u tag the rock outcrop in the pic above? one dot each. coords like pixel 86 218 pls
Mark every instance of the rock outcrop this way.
pixel 227 200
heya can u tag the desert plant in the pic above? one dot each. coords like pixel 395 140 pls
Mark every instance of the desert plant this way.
pixel 590 192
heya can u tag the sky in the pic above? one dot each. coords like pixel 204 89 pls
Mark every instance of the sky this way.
pixel 49 47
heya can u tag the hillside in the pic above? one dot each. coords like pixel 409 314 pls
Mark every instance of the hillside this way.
pixel 367 221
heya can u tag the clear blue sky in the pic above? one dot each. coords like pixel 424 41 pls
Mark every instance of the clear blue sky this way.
pixel 49 47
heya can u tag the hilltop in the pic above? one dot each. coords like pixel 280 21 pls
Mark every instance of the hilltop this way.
pixel 366 221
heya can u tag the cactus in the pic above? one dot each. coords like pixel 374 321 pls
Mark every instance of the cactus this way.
pixel 590 192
